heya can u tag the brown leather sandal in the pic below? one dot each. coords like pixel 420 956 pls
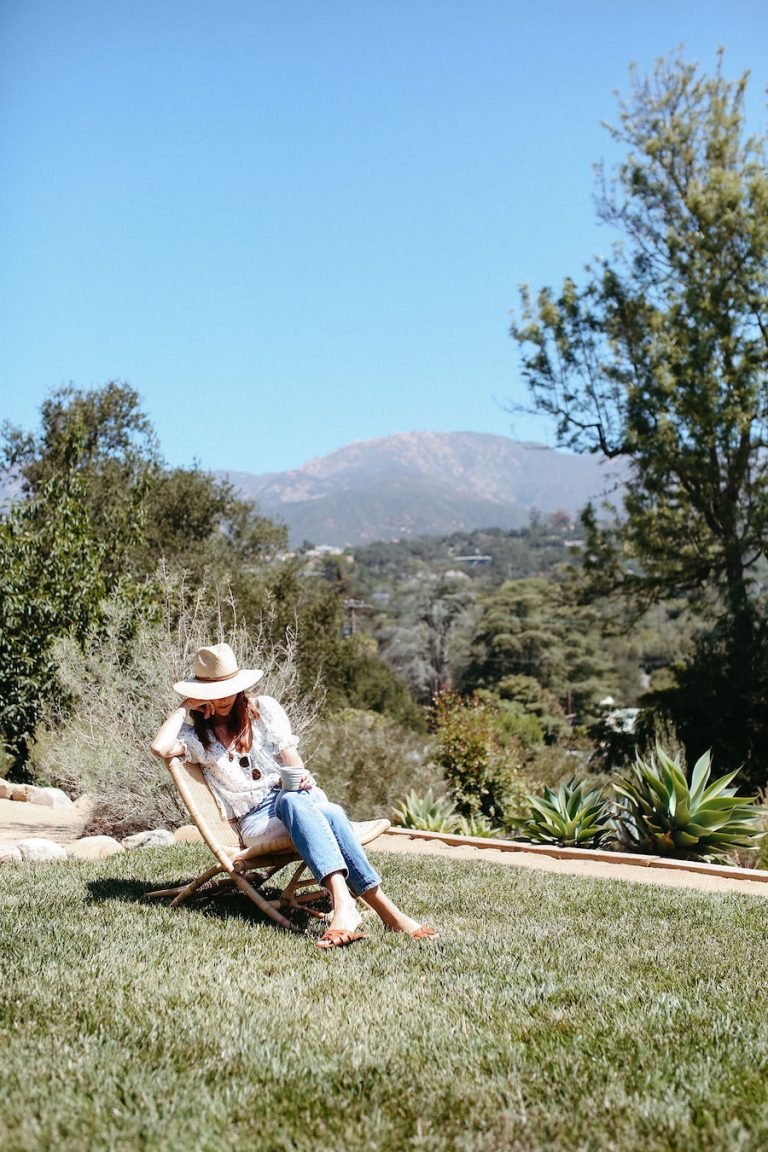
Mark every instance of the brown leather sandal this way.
pixel 338 938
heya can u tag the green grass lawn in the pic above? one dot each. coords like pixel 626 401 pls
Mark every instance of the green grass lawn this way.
pixel 554 1013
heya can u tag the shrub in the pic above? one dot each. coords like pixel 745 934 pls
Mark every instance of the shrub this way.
pixel 365 761
pixel 428 812
pixel 479 768
pixel 117 689
pixel 570 816
pixel 659 812
pixel 477 826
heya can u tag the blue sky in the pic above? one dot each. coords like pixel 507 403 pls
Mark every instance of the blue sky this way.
pixel 294 225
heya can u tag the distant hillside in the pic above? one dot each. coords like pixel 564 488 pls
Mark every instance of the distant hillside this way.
pixel 424 483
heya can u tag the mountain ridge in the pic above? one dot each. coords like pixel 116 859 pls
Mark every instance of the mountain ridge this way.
pixel 424 483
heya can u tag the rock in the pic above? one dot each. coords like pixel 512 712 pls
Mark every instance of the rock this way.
pixel 187 834
pixel 20 791
pixel 37 849
pixel 154 838
pixel 9 854
pixel 50 798
pixel 6 790
pixel 84 803
pixel 94 848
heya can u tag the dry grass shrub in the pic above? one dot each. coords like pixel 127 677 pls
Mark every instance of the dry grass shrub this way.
pixel 367 762
pixel 116 692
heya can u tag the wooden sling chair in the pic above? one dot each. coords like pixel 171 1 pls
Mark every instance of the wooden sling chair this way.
pixel 248 869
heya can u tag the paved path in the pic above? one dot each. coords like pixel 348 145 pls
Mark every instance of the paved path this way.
pixel 592 869
pixel 19 819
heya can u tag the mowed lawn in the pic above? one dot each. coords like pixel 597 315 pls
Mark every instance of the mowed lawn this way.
pixel 554 1013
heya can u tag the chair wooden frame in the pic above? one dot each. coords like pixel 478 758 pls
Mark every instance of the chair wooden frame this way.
pixel 246 869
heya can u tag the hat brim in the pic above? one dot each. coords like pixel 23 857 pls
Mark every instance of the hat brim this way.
pixel 218 689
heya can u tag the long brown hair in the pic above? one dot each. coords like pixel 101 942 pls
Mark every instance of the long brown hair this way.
pixel 237 724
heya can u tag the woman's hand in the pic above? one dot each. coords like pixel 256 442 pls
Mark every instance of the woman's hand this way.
pixel 307 783
pixel 204 706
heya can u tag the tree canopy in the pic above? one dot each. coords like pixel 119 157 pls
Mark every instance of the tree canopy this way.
pixel 660 356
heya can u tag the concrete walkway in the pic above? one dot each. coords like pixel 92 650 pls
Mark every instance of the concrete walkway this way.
pixel 399 841
pixel 19 820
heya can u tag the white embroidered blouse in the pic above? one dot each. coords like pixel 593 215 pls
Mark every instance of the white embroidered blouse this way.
pixel 232 784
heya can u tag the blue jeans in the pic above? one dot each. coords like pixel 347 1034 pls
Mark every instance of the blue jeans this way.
pixel 321 831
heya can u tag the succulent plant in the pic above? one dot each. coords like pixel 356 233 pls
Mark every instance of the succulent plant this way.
pixel 659 812
pixel 570 816
pixel 477 825
pixel 428 813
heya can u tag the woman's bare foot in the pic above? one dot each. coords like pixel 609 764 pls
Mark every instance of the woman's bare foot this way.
pixel 390 914
pixel 345 916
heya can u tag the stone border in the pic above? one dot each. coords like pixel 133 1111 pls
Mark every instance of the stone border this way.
pixel 758 875
pixel 32 794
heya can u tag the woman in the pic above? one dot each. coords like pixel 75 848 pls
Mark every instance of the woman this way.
pixel 241 744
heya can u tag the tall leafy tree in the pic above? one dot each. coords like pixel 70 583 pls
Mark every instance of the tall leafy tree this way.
pixel 660 357
pixel 103 437
pixel 532 628
pixel 52 581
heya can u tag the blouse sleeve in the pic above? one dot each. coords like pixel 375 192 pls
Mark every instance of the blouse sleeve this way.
pixel 276 724
pixel 193 749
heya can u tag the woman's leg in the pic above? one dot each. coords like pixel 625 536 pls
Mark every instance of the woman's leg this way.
pixel 363 879
pixel 316 844
pixel 361 875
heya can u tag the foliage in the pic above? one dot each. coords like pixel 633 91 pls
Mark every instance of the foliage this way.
pixel 479 826
pixel 660 812
pixel 118 685
pixel 428 811
pixel 661 358
pixel 311 610
pixel 428 639
pixel 570 816
pixel 480 769
pixel 525 697
pixel 195 521
pixel 535 628
pixel 364 760
pixel 52 581
pixel 98 510
pixel 102 437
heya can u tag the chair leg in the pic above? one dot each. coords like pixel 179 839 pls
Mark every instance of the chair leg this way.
pixel 291 897
pixel 189 888
pixel 261 903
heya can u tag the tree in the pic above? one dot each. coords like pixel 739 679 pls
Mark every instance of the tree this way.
pixel 661 359
pixel 97 514
pixel 427 639
pixel 52 581
pixel 532 628
pixel 103 437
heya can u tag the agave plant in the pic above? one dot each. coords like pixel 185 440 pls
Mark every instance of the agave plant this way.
pixel 570 816
pixel 659 812
pixel 477 825
pixel 429 813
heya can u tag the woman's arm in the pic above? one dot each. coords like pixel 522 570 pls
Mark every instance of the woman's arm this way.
pixel 166 743
pixel 291 759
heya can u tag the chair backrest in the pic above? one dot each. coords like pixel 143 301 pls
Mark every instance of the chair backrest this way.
pixel 217 832
pixel 199 801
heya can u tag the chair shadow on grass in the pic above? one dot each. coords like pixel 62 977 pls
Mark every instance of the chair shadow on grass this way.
pixel 225 906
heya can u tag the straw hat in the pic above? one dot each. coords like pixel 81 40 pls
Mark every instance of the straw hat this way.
pixel 216 675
